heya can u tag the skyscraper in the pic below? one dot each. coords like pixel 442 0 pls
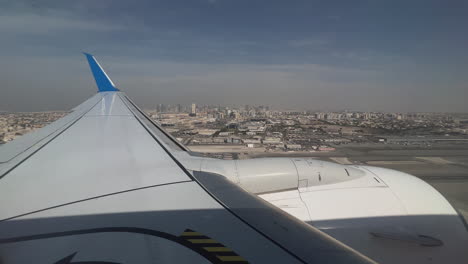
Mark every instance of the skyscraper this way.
pixel 194 108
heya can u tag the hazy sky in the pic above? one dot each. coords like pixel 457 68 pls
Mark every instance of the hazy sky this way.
pixel 331 55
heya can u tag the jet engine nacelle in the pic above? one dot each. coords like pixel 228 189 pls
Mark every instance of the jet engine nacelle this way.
pixel 278 174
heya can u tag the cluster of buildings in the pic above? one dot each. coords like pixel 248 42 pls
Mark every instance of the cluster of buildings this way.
pixel 263 129
pixel 273 130
pixel 13 125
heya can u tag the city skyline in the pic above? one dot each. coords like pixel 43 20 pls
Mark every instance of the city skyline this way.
pixel 185 108
pixel 366 56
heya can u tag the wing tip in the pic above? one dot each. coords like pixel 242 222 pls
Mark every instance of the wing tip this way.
pixel 103 82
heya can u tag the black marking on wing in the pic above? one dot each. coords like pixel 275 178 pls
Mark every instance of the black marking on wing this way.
pixel 210 257
pixel 68 259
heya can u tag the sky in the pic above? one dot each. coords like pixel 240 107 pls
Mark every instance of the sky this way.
pixel 362 55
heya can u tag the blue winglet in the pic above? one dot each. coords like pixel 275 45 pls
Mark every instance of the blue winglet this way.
pixel 103 82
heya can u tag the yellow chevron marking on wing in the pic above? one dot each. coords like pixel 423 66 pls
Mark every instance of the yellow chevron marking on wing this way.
pixel 203 241
pixel 217 249
pixel 231 258
pixel 191 234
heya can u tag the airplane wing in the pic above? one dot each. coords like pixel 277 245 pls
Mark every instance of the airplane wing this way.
pixel 105 184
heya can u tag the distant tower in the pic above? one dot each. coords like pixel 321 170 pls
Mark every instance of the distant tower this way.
pixel 194 110
pixel 159 108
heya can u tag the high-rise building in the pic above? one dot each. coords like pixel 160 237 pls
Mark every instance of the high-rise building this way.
pixel 194 108
pixel 159 108
pixel 193 112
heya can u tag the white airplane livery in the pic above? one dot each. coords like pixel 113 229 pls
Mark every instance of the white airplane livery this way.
pixel 106 184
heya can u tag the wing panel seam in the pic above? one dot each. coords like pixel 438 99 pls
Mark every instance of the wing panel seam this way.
pixel 94 197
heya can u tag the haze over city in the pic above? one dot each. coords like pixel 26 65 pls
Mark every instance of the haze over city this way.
pixel 395 56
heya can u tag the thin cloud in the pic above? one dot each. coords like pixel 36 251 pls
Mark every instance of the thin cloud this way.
pixel 311 42
pixel 48 24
